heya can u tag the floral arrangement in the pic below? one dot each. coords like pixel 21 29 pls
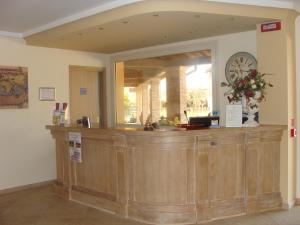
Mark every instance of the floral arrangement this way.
pixel 247 86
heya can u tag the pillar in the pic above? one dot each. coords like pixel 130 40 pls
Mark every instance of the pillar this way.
pixel 276 56
pixel 145 102
pixel 176 93
pixel 155 101
pixel 120 92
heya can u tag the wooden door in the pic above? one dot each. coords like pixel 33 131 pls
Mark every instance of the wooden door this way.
pixel 86 93
pixel 221 176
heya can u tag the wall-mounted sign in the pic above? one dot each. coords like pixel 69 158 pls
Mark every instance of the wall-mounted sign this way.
pixel 75 147
pixel 267 27
pixel 47 93
pixel 83 91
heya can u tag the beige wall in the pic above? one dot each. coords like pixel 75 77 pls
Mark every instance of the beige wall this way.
pixel 276 56
pixel 298 97
pixel 272 60
pixel 27 149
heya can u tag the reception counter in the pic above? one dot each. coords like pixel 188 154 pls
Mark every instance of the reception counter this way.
pixel 172 177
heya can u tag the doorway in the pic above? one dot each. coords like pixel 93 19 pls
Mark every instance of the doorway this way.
pixel 88 94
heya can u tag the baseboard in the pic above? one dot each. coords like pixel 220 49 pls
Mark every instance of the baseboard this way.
pixel 25 187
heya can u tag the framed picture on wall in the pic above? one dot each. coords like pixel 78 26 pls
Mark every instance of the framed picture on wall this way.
pixel 13 87
pixel 47 93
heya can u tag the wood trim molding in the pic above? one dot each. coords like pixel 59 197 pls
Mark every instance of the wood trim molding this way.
pixel 26 187
pixel 94 193
pixel 87 68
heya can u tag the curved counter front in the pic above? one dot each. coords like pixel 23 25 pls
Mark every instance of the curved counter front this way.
pixel 172 177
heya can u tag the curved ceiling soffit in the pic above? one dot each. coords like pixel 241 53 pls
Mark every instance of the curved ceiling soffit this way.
pixel 146 7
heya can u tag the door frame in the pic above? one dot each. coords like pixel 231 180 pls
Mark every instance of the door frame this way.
pixel 102 78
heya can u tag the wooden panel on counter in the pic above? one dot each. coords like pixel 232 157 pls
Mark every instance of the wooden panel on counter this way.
pixel 221 177
pixel 173 177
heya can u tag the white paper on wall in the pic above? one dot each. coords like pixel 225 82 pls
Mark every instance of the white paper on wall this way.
pixel 75 146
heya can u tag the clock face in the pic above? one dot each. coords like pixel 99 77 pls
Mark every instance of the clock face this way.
pixel 239 65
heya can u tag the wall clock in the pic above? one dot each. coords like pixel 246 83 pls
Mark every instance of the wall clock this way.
pixel 238 65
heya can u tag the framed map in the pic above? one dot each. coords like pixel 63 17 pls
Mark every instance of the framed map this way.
pixel 13 87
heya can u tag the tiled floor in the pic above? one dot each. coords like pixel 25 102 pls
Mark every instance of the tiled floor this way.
pixel 40 206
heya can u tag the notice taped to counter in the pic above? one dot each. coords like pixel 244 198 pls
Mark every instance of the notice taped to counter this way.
pixel 234 115
pixel 75 147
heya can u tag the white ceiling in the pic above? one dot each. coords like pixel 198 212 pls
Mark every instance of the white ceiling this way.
pixel 21 18
pixel 289 4
pixel 32 16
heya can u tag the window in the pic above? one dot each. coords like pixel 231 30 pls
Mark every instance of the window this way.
pixel 130 105
pixel 162 88
pixel 199 90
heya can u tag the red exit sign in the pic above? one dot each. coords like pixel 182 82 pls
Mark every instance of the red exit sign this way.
pixel 267 27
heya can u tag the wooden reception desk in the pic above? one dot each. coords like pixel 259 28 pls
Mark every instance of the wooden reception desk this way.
pixel 172 177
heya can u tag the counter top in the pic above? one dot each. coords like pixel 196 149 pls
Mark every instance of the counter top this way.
pixel 165 130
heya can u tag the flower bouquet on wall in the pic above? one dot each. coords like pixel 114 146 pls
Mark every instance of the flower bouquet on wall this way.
pixel 250 90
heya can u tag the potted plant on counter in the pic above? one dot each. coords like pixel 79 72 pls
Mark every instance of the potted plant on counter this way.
pixel 250 90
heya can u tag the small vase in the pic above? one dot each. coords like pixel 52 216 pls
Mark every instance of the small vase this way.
pixel 252 110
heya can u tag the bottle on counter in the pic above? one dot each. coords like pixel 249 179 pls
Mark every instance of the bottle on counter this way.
pixel 62 114
pixel 59 114
pixel 56 115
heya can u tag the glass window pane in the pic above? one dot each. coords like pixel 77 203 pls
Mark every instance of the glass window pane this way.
pixel 162 88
